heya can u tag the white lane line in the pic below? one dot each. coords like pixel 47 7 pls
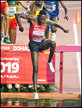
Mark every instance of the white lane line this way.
pixel 77 54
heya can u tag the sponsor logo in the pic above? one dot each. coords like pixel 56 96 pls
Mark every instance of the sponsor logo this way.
pixel 14 48
pixel 5 48
pixel 20 48
pixel 38 33
pixel 39 29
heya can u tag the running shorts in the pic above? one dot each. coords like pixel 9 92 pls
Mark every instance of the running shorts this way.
pixel 36 46
pixel 53 16
pixel 13 23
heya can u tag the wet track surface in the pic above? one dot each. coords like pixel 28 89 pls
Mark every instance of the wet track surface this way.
pixel 22 102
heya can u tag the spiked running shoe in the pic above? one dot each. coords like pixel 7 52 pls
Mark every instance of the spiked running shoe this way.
pixel 7 41
pixel 51 67
pixel 36 95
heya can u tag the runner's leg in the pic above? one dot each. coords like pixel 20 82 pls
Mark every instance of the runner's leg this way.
pixel 47 30
pixel 2 27
pixel 2 24
pixel 6 15
pixel 49 44
pixel 12 35
pixel 6 24
pixel 35 56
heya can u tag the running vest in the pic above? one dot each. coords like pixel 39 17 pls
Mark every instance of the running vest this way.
pixel 13 8
pixel 37 32
pixel 51 7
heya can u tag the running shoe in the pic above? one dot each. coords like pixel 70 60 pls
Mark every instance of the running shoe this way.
pixel 36 95
pixel 51 67
pixel 6 40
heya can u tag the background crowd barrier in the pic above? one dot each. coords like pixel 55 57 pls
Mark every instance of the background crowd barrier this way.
pixel 16 65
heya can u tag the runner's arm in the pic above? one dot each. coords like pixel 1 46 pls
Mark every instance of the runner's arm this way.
pixel 57 25
pixel 65 9
pixel 18 18
pixel 22 4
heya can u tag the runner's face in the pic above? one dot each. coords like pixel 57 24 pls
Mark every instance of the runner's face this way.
pixel 41 19
pixel 38 4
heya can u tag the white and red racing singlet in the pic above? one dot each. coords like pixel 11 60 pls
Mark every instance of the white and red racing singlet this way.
pixel 37 32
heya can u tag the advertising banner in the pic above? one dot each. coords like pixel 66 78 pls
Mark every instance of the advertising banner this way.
pixel 16 66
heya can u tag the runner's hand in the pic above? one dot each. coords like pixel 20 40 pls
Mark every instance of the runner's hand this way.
pixel 2 15
pixel 66 30
pixel 27 11
pixel 21 28
pixel 66 17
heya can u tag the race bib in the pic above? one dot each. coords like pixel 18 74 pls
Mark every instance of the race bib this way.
pixel 38 33
pixel 50 7
pixel 12 11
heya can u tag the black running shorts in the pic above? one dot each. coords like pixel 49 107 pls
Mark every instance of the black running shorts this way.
pixel 36 46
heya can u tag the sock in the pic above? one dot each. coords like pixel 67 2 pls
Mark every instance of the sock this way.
pixel 53 36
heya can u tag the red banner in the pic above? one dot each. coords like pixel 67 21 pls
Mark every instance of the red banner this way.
pixel 16 66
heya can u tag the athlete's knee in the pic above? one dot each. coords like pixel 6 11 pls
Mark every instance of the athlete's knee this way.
pixel 35 68
pixel 6 13
pixel 54 29
pixel 53 43
pixel 2 18
pixel 6 16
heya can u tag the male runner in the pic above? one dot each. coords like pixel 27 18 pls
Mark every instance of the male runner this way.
pixel 4 11
pixel 38 42
pixel 52 9
pixel 13 8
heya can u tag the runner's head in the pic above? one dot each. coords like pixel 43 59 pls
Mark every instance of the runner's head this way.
pixel 41 17
pixel 38 3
